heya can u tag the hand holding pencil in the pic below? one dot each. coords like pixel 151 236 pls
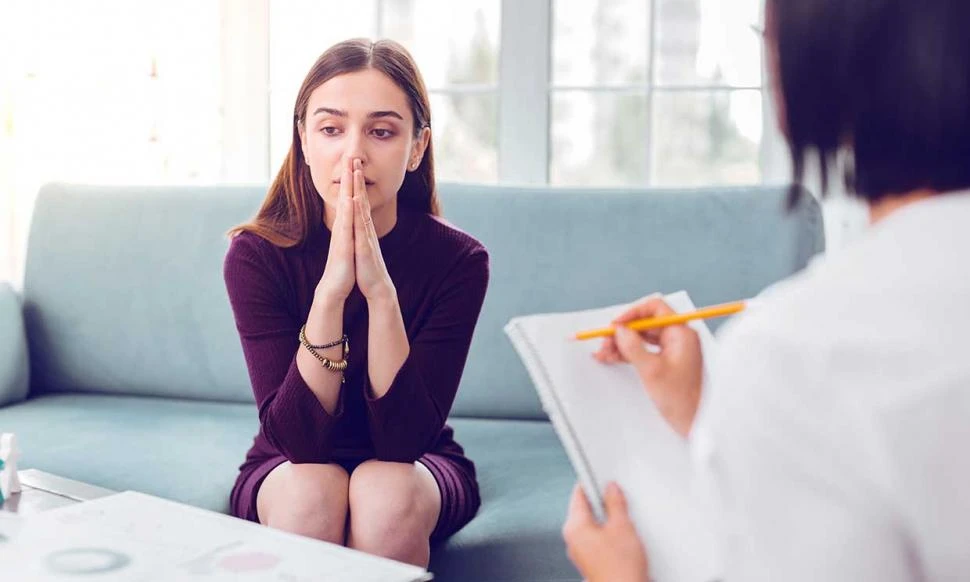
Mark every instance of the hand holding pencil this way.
pixel 673 375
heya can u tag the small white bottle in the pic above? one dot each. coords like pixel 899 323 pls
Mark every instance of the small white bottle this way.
pixel 9 481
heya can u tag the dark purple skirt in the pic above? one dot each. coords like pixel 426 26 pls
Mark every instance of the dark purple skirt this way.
pixel 454 474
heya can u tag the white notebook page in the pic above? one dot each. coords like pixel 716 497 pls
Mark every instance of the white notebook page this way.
pixel 612 432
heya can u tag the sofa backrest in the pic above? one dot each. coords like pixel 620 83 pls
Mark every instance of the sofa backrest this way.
pixel 568 249
pixel 123 290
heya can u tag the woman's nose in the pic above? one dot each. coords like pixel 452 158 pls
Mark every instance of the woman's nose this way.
pixel 355 149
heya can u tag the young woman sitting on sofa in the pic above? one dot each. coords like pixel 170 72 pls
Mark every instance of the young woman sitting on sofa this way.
pixel 834 428
pixel 355 304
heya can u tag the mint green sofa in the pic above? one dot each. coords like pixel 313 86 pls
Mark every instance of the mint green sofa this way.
pixel 120 364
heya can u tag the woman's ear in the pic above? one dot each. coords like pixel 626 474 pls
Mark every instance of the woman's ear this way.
pixel 418 148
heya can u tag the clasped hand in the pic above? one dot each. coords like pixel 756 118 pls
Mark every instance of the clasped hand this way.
pixel 355 253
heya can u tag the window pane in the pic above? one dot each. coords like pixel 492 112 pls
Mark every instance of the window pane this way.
pixel 452 42
pixel 706 137
pixel 707 42
pixel 105 92
pixel 299 32
pixel 81 109
pixel 464 134
pixel 598 138
pixel 600 42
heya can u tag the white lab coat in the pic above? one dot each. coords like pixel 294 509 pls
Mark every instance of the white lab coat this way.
pixel 834 433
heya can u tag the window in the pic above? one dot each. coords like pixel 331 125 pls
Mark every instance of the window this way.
pixel 661 92
pixel 592 92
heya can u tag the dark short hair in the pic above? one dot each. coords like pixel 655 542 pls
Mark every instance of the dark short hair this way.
pixel 885 81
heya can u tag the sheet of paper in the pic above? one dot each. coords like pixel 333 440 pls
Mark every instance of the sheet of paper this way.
pixel 136 537
pixel 612 432
pixel 10 524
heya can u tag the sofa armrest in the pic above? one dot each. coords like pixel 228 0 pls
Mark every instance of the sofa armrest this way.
pixel 14 364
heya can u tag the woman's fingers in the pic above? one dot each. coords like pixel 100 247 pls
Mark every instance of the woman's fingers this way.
pixel 360 193
pixel 358 170
pixel 359 189
pixel 650 306
pixel 344 222
pixel 614 502
pixel 632 349
pixel 608 353
pixel 344 198
pixel 339 272
pixel 361 217
pixel 580 513
pixel 347 181
pixel 361 232
pixel 679 341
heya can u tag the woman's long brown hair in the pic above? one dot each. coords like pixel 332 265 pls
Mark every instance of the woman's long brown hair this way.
pixel 292 207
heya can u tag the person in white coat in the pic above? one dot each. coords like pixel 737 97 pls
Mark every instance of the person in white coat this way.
pixel 833 430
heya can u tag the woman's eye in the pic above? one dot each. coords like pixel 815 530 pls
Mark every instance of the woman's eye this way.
pixel 329 130
pixel 382 133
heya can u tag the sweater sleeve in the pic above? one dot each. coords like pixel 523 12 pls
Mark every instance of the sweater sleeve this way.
pixel 290 416
pixel 405 421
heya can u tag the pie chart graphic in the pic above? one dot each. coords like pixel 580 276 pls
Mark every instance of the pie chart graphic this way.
pixel 85 561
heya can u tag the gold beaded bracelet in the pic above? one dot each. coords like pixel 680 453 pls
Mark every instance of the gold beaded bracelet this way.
pixel 333 366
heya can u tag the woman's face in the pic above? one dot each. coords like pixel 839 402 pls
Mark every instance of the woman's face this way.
pixel 361 115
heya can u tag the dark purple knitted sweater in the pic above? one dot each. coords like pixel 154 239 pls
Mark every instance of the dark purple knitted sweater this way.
pixel 441 275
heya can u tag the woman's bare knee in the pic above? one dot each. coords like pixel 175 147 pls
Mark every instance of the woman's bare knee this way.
pixel 393 510
pixel 307 499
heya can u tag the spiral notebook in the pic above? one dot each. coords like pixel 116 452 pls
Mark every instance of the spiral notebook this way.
pixel 611 431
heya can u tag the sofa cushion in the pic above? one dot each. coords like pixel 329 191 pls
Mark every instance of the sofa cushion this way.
pixel 525 479
pixel 190 451
pixel 178 449
pixel 123 291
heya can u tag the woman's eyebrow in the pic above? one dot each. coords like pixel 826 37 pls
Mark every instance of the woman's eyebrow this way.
pixel 331 111
pixel 389 113
pixel 371 115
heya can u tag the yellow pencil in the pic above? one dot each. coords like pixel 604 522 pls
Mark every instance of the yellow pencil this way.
pixel 663 321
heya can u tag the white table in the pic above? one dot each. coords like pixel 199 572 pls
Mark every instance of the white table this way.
pixel 114 537
pixel 41 491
